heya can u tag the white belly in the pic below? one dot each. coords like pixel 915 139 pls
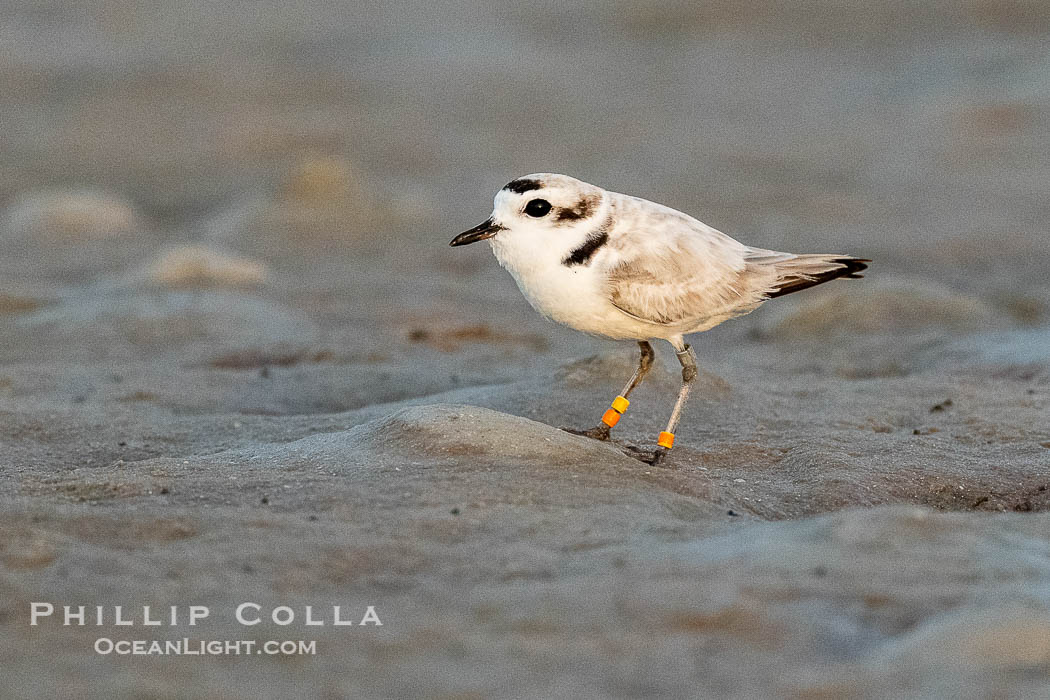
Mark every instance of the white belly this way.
pixel 576 297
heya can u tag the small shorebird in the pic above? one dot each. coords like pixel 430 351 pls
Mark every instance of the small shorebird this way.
pixel 622 267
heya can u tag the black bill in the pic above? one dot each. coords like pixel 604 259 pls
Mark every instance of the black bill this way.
pixel 479 233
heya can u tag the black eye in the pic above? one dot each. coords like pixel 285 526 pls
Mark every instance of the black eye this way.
pixel 538 208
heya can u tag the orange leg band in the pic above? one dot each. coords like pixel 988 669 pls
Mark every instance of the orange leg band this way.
pixel 666 439
pixel 612 416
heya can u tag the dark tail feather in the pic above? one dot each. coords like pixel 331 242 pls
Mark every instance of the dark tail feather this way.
pixel 850 269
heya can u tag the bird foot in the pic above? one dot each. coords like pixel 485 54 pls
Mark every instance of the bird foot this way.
pixel 651 457
pixel 600 432
pixel 658 456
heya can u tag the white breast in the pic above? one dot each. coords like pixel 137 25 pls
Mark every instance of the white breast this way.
pixel 573 295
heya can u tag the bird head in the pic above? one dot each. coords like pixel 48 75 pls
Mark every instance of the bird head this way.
pixel 543 209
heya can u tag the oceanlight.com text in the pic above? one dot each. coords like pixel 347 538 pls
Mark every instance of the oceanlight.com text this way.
pixel 203 647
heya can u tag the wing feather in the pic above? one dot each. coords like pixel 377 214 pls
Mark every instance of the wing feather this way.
pixel 678 271
pixel 672 270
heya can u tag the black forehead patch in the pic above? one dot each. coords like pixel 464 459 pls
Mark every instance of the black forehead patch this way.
pixel 523 185
pixel 581 210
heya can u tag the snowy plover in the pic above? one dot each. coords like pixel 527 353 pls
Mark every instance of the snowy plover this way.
pixel 622 267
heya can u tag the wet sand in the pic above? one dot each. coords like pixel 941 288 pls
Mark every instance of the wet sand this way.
pixel 238 361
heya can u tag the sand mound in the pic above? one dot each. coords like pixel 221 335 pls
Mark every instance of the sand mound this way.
pixel 318 201
pixel 997 638
pixel 202 266
pixel 319 181
pixel 439 456
pixel 909 602
pixel 877 305
pixel 110 325
pixel 70 215
pixel 448 432
pixel 1007 349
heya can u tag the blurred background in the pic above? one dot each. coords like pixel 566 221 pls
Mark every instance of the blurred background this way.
pixel 910 131
pixel 300 167
pixel 305 164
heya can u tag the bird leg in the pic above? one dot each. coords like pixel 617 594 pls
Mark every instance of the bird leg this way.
pixel 689 372
pixel 619 405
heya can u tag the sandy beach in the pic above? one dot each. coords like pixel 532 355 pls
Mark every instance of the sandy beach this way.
pixel 240 363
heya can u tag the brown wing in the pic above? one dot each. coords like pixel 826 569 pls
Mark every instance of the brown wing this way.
pixel 684 278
